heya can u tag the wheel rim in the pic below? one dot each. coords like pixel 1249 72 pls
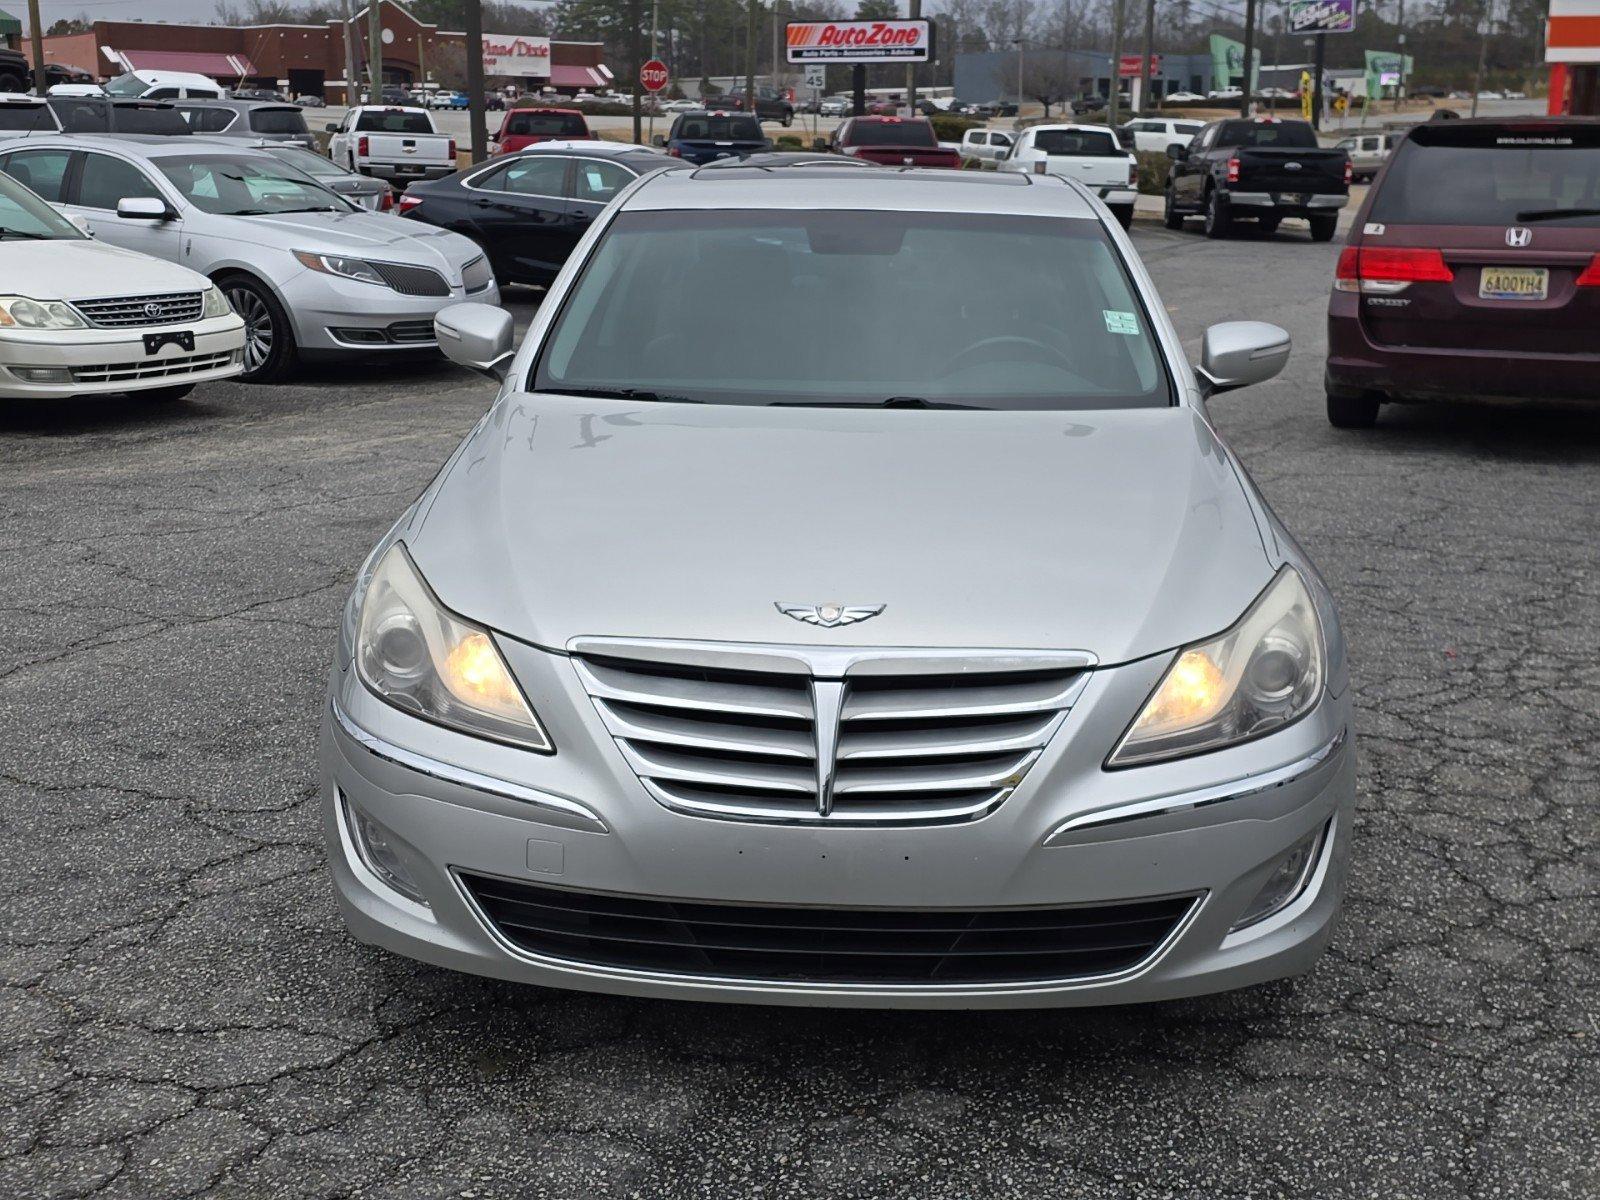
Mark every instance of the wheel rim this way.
pixel 258 330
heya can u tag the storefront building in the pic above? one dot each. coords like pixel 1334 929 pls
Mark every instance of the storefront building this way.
pixel 1572 48
pixel 309 59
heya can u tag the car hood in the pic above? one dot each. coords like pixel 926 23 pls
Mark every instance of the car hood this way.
pixel 362 234
pixel 68 269
pixel 1120 533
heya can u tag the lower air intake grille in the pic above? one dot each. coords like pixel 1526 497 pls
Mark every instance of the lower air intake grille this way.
pixel 412 281
pixel 155 368
pixel 828 945
pixel 777 734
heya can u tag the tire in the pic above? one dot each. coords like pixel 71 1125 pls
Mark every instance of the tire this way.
pixel 269 349
pixel 1124 215
pixel 1219 221
pixel 1323 228
pixel 788 118
pixel 1269 225
pixel 1359 411
pixel 1170 216
pixel 166 395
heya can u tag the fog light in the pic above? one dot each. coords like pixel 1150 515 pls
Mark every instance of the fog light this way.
pixel 378 854
pixel 43 374
pixel 1287 881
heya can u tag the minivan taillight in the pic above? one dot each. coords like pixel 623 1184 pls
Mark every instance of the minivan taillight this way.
pixel 1233 170
pixel 1385 270
pixel 1591 273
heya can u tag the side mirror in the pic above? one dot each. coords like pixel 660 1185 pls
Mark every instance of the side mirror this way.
pixel 659 141
pixel 143 208
pixel 332 127
pixel 1177 151
pixel 478 336
pixel 1236 354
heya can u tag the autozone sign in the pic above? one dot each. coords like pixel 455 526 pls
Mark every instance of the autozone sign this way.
pixel 512 54
pixel 860 41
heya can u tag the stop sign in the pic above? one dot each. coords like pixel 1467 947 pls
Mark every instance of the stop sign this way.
pixel 653 75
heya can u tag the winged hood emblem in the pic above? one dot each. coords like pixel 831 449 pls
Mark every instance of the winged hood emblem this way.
pixel 830 615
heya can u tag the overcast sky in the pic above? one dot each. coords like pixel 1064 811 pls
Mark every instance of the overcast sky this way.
pixel 128 10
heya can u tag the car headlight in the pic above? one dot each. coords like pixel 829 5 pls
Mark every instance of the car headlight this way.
pixel 1251 680
pixel 214 303
pixel 19 312
pixel 358 269
pixel 421 658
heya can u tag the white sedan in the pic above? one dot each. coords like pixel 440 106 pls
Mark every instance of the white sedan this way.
pixel 78 317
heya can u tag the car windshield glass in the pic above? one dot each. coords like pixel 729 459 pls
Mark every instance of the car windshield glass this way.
pixel 537 124
pixel 305 160
pixel 16 118
pixel 230 185
pixel 1487 175
pixel 892 133
pixel 720 129
pixel 127 85
pixel 1089 143
pixel 393 120
pixel 277 120
pixel 1268 134
pixel 24 215
pixel 148 118
pixel 990 311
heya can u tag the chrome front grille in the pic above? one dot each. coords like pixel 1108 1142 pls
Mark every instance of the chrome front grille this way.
pixel 791 734
pixel 412 281
pixel 125 311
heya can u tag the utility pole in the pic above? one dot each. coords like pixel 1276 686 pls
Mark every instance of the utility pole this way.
pixel 1119 14
pixel 1018 43
pixel 749 62
pixel 911 69
pixel 36 34
pixel 1400 24
pixel 477 116
pixel 374 53
pixel 349 53
pixel 635 61
pixel 1249 52
pixel 655 26
pixel 1149 53
pixel 1319 69
pixel 1483 53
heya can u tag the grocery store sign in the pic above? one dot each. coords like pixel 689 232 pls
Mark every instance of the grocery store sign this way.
pixel 860 41
pixel 513 54
pixel 1322 16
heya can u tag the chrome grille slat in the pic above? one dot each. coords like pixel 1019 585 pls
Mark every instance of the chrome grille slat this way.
pixel 154 369
pixel 127 311
pixel 734 732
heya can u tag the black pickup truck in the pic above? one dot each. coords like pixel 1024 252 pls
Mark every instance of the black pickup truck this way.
pixel 1260 168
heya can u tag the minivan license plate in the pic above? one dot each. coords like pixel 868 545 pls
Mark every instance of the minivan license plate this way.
pixel 1514 283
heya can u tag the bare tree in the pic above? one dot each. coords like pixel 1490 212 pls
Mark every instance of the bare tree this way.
pixel 1047 78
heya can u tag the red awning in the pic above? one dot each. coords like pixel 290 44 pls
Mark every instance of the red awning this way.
pixel 577 77
pixel 201 62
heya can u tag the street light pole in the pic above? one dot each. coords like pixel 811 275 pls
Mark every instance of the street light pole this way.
pixel 1249 50
pixel 1400 24
pixel 477 116
pixel 1149 52
pixel 36 35
pixel 1017 42
pixel 911 69
pixel 1119 15
pixel 1485 29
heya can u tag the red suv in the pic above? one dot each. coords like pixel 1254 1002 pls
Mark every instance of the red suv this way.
pixel 893 141
pixel 1472 270
pixel 523 127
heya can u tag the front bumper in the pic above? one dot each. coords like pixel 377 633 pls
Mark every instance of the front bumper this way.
pixel 116 361
pixel 1071 834
pixel 1357 365
pixel 343 316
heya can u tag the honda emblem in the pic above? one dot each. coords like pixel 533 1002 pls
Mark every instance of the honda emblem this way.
pixel 1518 237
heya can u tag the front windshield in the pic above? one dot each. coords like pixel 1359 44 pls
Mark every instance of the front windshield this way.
pixel 235 186
pixel 913 309
pixel 127 85
pixel 24 215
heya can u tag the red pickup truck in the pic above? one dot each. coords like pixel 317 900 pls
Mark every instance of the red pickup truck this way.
pixel 893 141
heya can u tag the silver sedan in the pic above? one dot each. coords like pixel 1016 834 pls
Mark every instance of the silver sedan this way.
pixel 950 660
pixel 311 274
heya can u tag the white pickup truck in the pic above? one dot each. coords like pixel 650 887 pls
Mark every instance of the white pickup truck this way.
pixel 1088 153
pixel 392 142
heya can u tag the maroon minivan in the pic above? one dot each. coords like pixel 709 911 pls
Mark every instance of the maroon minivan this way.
pixel 1472 270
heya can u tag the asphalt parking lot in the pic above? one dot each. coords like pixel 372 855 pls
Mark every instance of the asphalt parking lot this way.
pixel 185 1015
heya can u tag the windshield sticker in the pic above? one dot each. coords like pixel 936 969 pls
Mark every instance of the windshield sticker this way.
pixel 1121 322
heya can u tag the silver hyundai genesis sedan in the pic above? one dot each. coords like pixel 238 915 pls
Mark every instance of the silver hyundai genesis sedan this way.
pixel 899 634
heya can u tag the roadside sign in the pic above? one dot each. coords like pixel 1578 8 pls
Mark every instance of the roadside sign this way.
pixel 1322 16
pixel 1131 65
pixel 816 76
pixel 653 75
pixel 860 41
pixel 1308 94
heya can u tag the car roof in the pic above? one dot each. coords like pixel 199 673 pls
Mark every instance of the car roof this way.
pixel 593 146
pixel 546 108
pixel 144 145
pixel 1069 127
pixel 887 188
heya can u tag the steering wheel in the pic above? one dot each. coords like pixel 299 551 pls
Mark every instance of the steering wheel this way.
pixel 1046 354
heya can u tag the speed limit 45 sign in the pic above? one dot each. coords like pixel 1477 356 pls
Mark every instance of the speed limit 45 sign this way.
pixel 653 75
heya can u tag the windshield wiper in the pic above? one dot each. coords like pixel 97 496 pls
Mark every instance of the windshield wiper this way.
pixel 23 233
pixel 1555 214
pixel 890 402
pixel 621 393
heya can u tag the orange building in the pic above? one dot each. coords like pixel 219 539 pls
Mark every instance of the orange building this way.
pixel 307 59
pixel 1572 48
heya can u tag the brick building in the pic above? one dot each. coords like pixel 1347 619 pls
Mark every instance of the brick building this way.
pixel 309 59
